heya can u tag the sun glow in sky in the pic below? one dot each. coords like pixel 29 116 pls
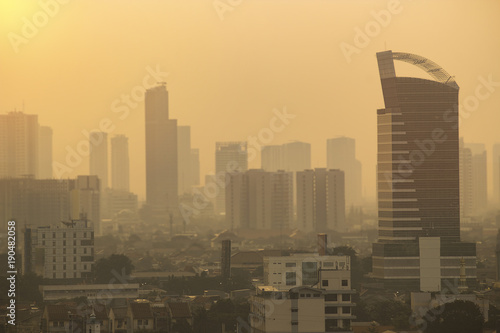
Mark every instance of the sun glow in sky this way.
pixel 225 77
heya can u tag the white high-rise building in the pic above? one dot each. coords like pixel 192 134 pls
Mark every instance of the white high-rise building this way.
pixel 64 251
pixel 257 199
pixel 120 163
pixel 272 158
pixel 307 292
pixel 321 200
pixel 19 140
pixel 294 156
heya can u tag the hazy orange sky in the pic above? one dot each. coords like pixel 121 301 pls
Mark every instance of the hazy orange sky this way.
pixel 226 76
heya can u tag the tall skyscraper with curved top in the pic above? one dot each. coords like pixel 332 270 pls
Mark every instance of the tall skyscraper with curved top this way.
pixel 418 178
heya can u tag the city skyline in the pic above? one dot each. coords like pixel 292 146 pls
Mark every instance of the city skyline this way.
pixel 281 88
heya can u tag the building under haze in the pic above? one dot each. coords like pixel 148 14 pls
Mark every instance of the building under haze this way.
pixel 184 159
pixel 161 155
pixel 85 200
pixel 257 199
pixel 473 179
pixel 195 166
pixel 63 250
pixel 45 152
pixel 120 163
pixel 418 179
pixel 229 157
pixel 98 157
pixel 341 154
pixel 294 156
pixel 19 140
pixel 496 173
pixel 321 200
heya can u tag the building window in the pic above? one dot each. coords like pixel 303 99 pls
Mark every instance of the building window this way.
pixel 53 251
pixel 346 323
pixel 64 243
pixel 43 243
pixel 309 273
pixel 53 267
pixel 331 325
pixel 53 259
pixel 291 278
pixel 43 236
pixel 74 275
pixel 74 235
pixel 290 264
pixel 331 310
pixel 331 298
pixel 324 283
pixel 74 259
pixel 84 235
pixel 345 283
pixel 53 235
pixel 64 275
pixel 74 250
pixel 295 310
pixel 295 323
pixel 64 235
pixel 64 251
pixel 85 267
pixel 346 297
pixel 84 250
pixel 74 267
pixel 53 243
pixel 64 259
pixel 53 275
pixel 74 242
pixel 64 266
pixel 346 309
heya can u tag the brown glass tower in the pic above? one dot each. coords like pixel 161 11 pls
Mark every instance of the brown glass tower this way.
pixel 418 171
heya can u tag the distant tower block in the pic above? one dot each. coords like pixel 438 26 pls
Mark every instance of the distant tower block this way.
pixel 462 286
pixel 322 244
pixel 225 263
pixel 93 325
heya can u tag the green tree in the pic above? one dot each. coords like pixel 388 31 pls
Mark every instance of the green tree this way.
pixel 113 269
pixel 457 317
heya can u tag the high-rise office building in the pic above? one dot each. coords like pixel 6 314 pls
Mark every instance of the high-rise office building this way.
pixel 473 179
pixel 294 156
pixel 341 154
pixel 19 139
pixel 98 158
pixel 257 199
pixel 35 202
pixel 229 157
pixel 85 200
pixel 418 179
pixel 195 166
pixel 184 159
pixel 120 163
pixel 161 154
pixel 321 200
pixel 272 158
pixel 45 152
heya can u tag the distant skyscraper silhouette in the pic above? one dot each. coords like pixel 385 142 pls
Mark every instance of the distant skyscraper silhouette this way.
pixel 120 163
pixel 45 152
pixel 19 142
pixel 257 199
pixel 195 166
pixel 161 154
pixel 418 179
pixel 321 200
pixel 229 157
pixel 341 154
pixel 184 159
pixel 98 142
pixel 293 156
pixel 474 178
